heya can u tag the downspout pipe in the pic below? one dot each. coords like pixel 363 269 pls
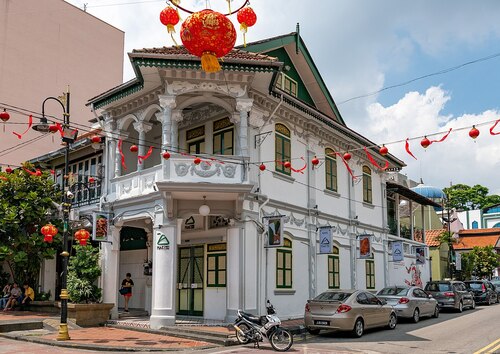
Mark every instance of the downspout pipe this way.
pixel 262 302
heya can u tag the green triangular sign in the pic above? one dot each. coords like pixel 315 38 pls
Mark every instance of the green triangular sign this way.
pixel 163 241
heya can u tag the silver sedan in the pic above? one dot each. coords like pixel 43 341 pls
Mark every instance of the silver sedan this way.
pixel 410 302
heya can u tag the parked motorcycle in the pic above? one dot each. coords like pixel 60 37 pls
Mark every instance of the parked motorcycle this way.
pixel 250 328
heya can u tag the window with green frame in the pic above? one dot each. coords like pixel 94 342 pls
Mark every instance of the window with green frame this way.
pixel 367 184
pixel 282 148
pixel 370 274
pixel 331 170
pixel 216 270
pixel 284 265
pixel 334 269
pixel 223 140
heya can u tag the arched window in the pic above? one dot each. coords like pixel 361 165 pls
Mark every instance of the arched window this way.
pixel 475 225
pixel 283 150
pixel 284 265
pixel 496 225
pixel 367 184
pixel 330 170
pixel 334 269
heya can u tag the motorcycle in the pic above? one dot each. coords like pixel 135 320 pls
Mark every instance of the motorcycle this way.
pixel 250 328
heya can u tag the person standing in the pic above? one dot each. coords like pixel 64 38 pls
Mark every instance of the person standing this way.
pixel 127 284
pixel 29 295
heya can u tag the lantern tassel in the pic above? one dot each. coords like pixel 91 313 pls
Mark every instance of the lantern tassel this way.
pixel 229 4
pixel 171 30
pixel 244 28
pixel 210 63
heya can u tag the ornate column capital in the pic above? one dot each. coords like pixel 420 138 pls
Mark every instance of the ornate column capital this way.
pixel 244 104
pixel 142 127
pixel 177 115
pixel 167 101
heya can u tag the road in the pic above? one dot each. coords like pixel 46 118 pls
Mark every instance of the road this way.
pixel 451 333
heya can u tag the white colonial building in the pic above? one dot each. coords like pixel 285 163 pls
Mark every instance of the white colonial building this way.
pixel 190 226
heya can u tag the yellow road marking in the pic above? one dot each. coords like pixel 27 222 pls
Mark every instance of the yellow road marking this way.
pixel 495 350
pixel 495 344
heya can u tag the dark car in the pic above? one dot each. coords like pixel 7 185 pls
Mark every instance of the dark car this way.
pixel 451 294
pixel 484 292
pixel 496 284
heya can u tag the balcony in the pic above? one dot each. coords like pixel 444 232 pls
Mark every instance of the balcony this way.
pixel 180 169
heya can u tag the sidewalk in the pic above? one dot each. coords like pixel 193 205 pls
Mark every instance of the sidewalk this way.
pixel 133 335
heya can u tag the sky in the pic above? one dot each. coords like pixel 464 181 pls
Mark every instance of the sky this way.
pixel 396 70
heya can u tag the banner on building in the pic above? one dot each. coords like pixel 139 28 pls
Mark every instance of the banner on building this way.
pixel 325 239
pixel 100 226
pixel 365 246
pixel 420 253
pixel 458 261
pixel 274 230
pixel 397 251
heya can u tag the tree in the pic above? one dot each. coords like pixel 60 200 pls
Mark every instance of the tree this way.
pixel 83 272
pixel 463 197
pixel 481 262
pixel 26 198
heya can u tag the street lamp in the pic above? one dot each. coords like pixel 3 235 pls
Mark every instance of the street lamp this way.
pixel 68 137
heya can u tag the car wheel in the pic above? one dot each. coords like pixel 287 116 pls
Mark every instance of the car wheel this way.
pixel 473 306
pixel 313 330
pixel 359 328
pixel 460 307
pixel 393 321
pixel 436 312
pixel 416 315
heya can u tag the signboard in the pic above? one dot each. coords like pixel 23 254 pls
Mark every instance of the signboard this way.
pixel 100 226
pixel 365 246
pixel 274 231
pixel 325 240
pixel 397 251
pixel 163 243
pixel 420 253
pixel 458 261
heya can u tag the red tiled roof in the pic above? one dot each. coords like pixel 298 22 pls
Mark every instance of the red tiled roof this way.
pixel 469 242
pixel 477 232
pixel 432 237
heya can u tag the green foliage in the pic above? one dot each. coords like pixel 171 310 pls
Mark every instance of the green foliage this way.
pixel 43 296
pixel 481 261
pixel 83 272
pixel 463 197
pixel 25 200
pixel 445 237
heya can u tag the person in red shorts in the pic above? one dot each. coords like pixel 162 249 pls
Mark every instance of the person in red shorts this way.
pixel 127 284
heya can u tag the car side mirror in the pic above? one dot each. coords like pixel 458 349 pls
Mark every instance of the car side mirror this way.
pixel 430 296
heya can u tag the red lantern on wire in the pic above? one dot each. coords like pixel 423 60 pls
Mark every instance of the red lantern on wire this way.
pixel 48 231
pixel 53 128
pixel 91 180
pixel 82 236
pixel 197 161
pixel 347 156
pixel 96 139
pixel 315 161
pixel 247 18
pixel 287 164
pixel 384 150
pixel 474 132
pixel 425 142
pixel 8 169
pixel 262 167
pixel 134 148
pixel 208 35
pixel 4 116
pixel 170 17
pixel 166 155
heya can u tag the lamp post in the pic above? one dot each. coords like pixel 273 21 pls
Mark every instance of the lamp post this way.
pixel 68 137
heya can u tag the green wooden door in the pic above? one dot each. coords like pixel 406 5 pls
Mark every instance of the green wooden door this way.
pixel 190 281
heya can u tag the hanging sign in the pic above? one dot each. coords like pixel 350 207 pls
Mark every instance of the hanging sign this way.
pixel 365 247
pixel 100 226
pixel 420 251
pixel 397 251
pixel 325 239
pixel 274 230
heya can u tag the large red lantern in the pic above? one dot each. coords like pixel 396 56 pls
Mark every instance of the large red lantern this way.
pixel 209 35
pixel 170 17
pixel 82 236
pixel 4 116
pixel 48 231
pixel 384 150
pixel 247 18
pixel 474 132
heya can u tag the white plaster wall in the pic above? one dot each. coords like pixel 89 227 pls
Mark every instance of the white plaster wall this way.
pixel 250 267
pixel 49 277
pixel 398 271
pixel 345 270
pixel 214 307
pixel 131 262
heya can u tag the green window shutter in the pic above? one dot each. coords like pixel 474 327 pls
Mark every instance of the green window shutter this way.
pixel 330 170
pixel 283 148
pixel 367 184
pixel 284 271
pixel 216 270
pixel 370 274
pixel 333 272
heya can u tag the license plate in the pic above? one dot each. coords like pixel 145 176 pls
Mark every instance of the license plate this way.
pixel 322 323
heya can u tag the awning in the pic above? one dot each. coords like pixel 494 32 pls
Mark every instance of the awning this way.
pixel 408 193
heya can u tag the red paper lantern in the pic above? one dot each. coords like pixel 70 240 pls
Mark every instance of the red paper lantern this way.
pixel 48 231
pixel 209 35
pixel 53 128
pixel 169 17
pixel 384 150
pixel 474 132
pixel 425 142
pixel 96 139
pixel 82 236
pixel 4 116
pixel 287 164
pixel 262 167
pixel 247 18
pixel 315 161
pixel 347 156
pixel 134 148
pixel 8 170
pixel 197 161
pixel 166 155
pixel 91 180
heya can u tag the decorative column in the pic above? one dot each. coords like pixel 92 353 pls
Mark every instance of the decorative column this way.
pixel 176 118
pixel 109 153
pixel 164 272
pixel 111 269
pixel 235 273
pixel 167 103
pixel 243 105
pixel 142 128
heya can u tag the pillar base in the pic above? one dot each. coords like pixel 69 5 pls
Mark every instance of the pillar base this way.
pixel 63 332
pixel 159 321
